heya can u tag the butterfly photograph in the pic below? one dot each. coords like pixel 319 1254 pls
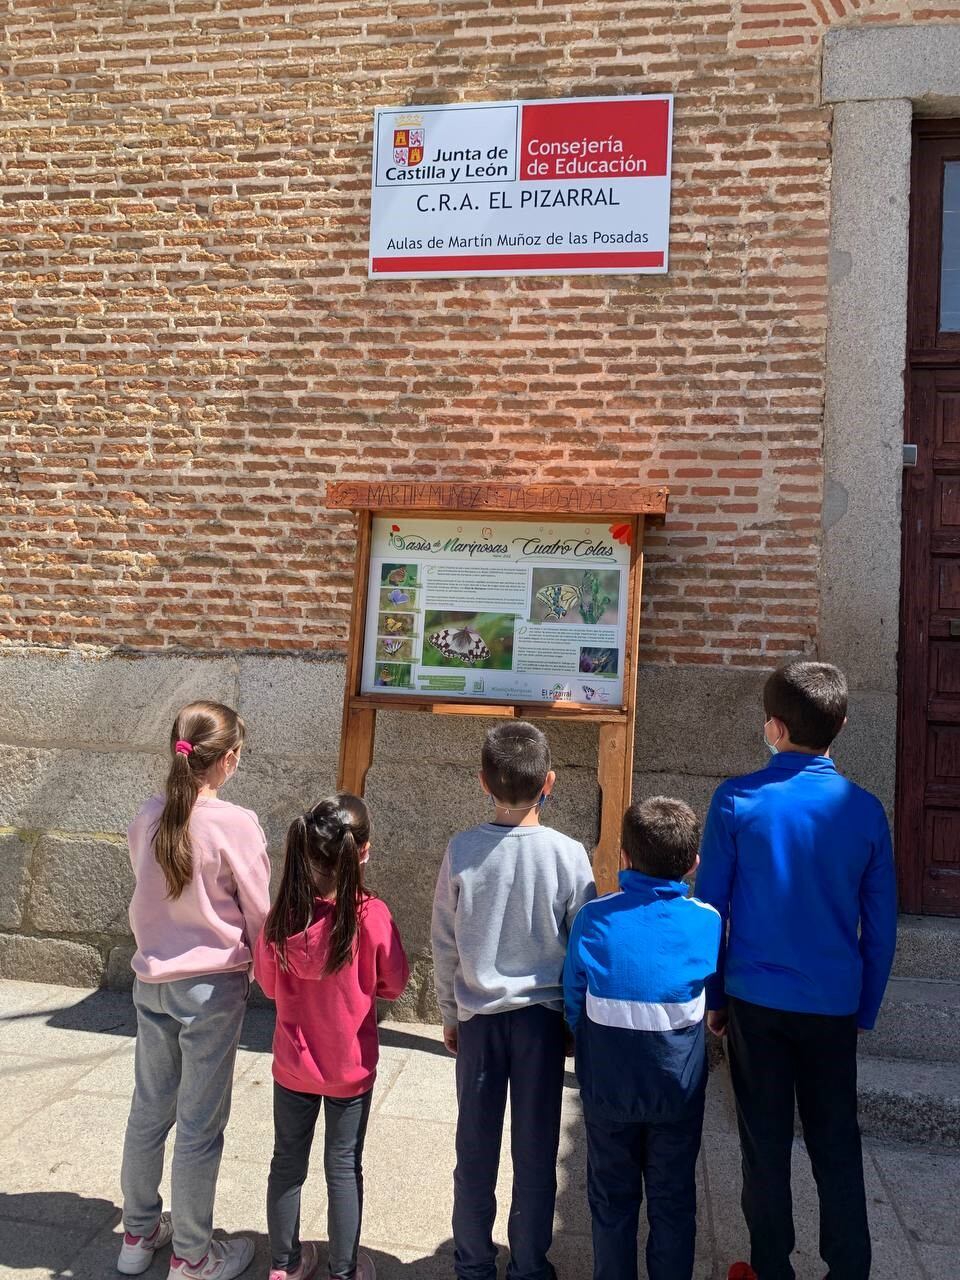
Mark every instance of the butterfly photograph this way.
pixel 395 624
pixel 468 640
pixel 394 648
pixel 398 598
pixel 598 662
pixel 581 596
pixel 394 675
pixel 399 575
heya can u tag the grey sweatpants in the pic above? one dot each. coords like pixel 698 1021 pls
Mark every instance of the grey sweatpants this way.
pixel 344 1129
pixel 187 1037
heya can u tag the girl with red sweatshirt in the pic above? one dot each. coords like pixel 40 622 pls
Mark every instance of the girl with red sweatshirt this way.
pixel 329 949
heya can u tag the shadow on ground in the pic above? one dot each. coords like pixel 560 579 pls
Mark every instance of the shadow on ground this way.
pixel 111 1013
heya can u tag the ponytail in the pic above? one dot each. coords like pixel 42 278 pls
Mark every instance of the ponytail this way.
pixel 172 840
pixel 203 733
pixel 349 901
pixel 322 855
pixel 293 909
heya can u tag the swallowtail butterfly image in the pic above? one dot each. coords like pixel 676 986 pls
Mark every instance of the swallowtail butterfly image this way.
pixel 392 644
pixel 464 645
pixel 559 599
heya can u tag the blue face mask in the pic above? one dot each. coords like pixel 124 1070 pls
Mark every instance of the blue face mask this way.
pixel 771 746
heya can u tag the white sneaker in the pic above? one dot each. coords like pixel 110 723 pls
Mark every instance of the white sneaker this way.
pixel 136 1252
pixel 365 1268
pixel 225 1259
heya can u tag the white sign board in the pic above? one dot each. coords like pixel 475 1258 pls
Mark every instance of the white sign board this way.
pixel 498 609
pixel 552 187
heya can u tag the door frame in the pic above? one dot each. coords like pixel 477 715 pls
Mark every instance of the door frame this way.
pixel 875 79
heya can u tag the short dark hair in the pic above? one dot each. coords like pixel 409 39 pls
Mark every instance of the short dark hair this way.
pixel 661 837
pixel 515 761
pixel 811 700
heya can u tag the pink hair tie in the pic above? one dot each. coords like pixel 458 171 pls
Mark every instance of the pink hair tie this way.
pixel 183 748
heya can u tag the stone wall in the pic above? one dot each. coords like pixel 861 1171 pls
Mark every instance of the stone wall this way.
pixel 83 739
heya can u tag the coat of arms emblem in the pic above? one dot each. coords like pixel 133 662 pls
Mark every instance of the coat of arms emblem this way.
pixel 408 147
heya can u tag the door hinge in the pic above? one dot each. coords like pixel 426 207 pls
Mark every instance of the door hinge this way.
pixel 909 455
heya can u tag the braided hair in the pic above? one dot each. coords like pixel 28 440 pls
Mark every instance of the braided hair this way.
pixel 322 848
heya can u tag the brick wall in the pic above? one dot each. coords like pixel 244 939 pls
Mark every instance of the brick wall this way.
pixel 190 347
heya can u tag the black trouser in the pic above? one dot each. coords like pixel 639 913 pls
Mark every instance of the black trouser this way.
pixel 776 1057
pixel 522 1049
pixel 345 1126
pixel 623 1161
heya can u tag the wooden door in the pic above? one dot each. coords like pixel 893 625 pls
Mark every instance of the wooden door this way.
pixel 928 786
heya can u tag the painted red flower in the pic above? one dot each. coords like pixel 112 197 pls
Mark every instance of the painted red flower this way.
pixel 622 533
pixel 394 528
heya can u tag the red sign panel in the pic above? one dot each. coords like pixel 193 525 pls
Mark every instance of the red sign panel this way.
pixel 626 139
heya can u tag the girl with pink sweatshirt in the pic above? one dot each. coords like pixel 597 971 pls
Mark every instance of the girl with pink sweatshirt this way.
pixel 328 950
pixel 201 896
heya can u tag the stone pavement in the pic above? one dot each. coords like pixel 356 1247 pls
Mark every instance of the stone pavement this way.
pixel 66 1069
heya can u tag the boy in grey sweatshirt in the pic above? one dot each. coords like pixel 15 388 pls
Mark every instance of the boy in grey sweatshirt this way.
pixel 506 897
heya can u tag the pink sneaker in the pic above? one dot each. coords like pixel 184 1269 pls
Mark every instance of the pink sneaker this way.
pixel 225 1259
pixel 365 1268
pixel 136 1252
pixel 309 1261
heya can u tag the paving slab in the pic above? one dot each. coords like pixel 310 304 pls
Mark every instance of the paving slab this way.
pixel 28 1085
pixel 69 1024
pixel 939 1262
pixel 425 1089
pixel 926 1187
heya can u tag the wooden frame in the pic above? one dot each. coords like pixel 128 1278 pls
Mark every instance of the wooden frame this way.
pixel 627 504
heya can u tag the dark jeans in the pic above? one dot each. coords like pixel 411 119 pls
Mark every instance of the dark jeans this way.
pixel 776 1057
pixel 623 1160
pixel 344 1128
pixel 522 1049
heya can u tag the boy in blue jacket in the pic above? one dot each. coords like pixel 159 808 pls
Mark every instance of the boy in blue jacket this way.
pixel 799 861
pixel 634 996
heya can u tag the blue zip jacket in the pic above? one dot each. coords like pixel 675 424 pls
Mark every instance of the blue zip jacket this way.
pixel 799 860
pixel 633 987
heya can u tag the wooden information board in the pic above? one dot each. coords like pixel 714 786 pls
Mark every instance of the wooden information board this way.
pixel 499 600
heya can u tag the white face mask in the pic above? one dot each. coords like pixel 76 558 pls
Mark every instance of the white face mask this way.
pixel 771 746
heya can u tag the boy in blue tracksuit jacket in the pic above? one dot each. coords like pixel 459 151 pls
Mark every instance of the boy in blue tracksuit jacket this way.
pixel 799 861
pixel 634 996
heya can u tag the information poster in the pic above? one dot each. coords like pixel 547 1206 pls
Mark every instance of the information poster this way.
pixel 570 187
pixel 497 609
